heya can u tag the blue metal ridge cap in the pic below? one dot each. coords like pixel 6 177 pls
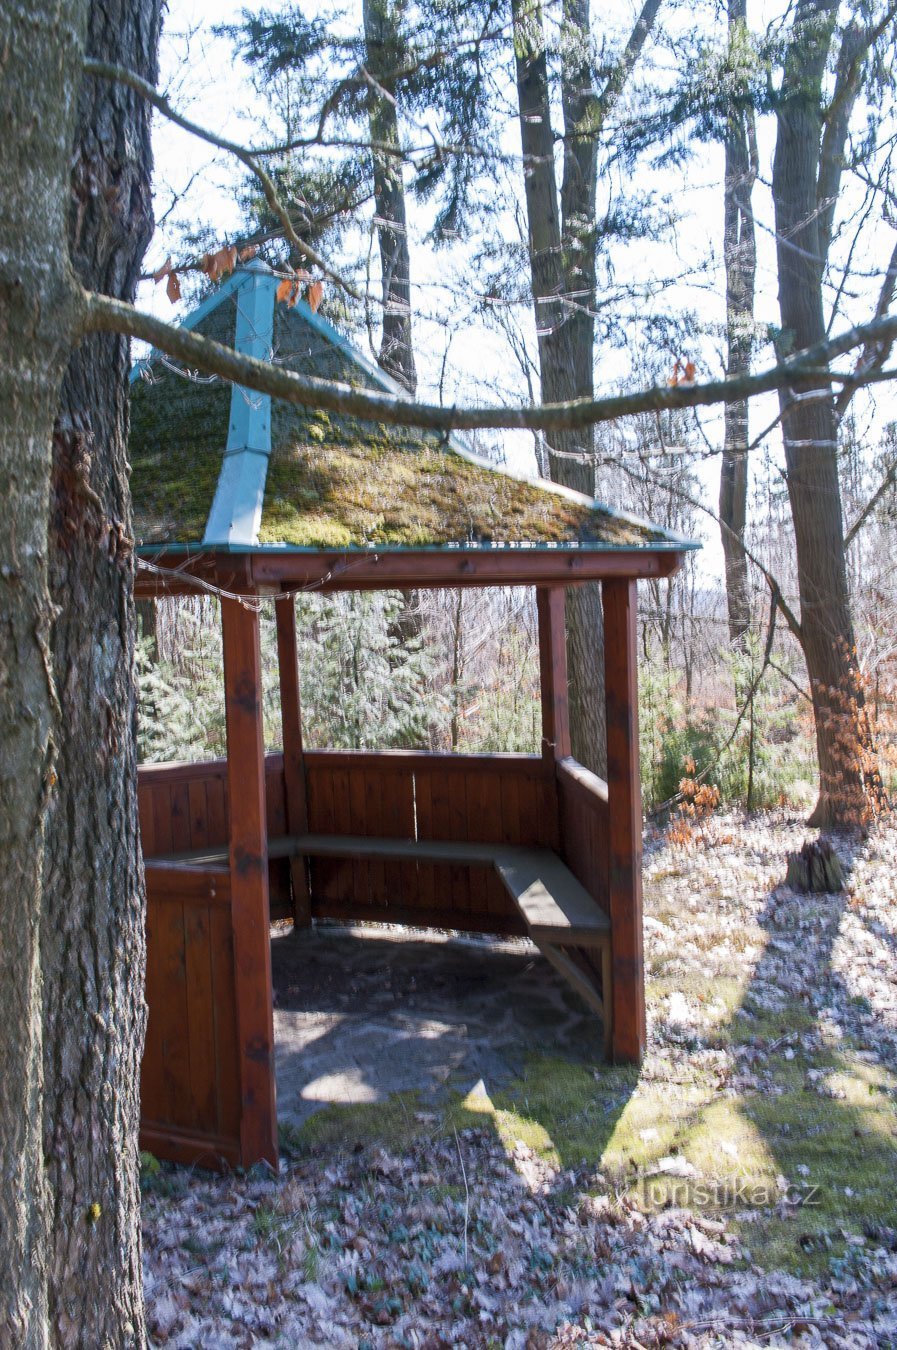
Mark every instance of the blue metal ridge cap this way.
pixel 237 278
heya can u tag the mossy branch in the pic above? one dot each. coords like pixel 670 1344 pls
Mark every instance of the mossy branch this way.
pixel 804 370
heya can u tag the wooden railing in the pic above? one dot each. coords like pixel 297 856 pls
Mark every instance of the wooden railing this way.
pixel 185 806
pixel 583 825
pixel 409 794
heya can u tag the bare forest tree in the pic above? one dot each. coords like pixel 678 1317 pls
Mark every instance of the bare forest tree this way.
pixel 561 244
pixel 740 254
pixel 809 162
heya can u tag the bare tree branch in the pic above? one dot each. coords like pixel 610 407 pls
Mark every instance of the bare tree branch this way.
pixel 803 370
pixel 889 480
pixel 105 70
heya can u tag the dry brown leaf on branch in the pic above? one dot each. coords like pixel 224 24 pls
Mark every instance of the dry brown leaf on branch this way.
pixel 248 251
pixel 283 290
pixel 173 289
pixel 162 271
pixel 220 263
pixel 314 295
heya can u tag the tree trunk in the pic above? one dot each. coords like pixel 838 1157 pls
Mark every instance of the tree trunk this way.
pixel 92 937
pixel 809 428
pixel 41 45
pixel 382 46
pixel 740 253
pixel 570 454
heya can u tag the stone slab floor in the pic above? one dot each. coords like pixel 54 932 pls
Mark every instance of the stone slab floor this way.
pixel 363 1012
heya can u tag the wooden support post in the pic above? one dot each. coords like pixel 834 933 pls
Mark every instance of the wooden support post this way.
pixel 553 672
pixel 249 882
pixel 625 818
pixel 293 759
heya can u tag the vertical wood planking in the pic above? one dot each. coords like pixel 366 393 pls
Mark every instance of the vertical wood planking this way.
pixel 145 817
pixel 216 806
pixel 342 881
pixel 180 816
pixel 625 817
pixel 249 881
pixel 162 834
pixel 199 813
pixel 172 1013
pixel 456 828
pixel 227 1063
pixel 426 872
pixel 200 1016
pixel 397 821
pixel 295 790
pixel 323 873
pixel 361 872
pixel 373 805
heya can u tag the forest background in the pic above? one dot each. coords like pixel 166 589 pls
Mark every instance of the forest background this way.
pixel 683 248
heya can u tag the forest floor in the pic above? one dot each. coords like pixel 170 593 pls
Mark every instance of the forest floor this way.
pixel 740 1189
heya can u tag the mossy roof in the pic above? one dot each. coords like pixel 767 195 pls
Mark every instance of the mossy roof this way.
pixel 334 481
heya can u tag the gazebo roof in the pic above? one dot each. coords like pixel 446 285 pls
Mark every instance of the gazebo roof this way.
pixel 230 470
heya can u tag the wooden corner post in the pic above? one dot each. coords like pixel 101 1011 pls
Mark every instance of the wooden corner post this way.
pixel 293 761
pixel 249 881
pixel 625 817
pixel 553 672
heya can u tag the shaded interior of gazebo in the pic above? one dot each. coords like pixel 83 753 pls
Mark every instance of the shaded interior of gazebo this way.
pixel 260 501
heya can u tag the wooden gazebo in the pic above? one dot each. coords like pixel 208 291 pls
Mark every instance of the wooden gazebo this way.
pixel 257 501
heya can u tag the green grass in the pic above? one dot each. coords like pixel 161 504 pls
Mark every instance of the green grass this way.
pixel 622 1122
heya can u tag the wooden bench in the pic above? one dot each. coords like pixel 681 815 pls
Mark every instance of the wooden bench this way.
pixel 561 918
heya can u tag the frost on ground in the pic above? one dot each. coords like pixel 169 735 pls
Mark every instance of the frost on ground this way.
pixel 739 1190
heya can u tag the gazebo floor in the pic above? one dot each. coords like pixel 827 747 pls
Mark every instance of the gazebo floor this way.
pixel 363 1012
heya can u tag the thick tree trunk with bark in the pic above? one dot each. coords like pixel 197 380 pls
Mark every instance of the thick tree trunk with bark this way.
pixel 381 43
pixel 561 356
pixel 562 241
pixel 41 46
pixel 92 938
pixel 803 163
pixel 740 252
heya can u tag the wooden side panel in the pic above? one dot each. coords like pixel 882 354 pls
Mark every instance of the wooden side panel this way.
pixel 184 806
pixel 189 1085
pixel 584 820
pixel 625 818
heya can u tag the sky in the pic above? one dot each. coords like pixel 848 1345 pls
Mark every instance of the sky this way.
pixel 205 80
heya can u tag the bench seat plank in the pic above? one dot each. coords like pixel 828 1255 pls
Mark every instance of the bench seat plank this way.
pixel 555 906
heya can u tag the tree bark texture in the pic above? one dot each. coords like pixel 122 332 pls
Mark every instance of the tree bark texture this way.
pixel 382 47
pixel 570 456
pixel 740 253
pixel 92 938
pixel 809 426
pixel 562 244
pixel 41 46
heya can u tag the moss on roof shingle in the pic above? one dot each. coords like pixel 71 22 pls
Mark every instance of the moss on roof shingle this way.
pixel 333 481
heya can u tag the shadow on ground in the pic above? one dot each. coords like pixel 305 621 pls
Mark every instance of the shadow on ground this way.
pixel 776 1108
pixel 363 1013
